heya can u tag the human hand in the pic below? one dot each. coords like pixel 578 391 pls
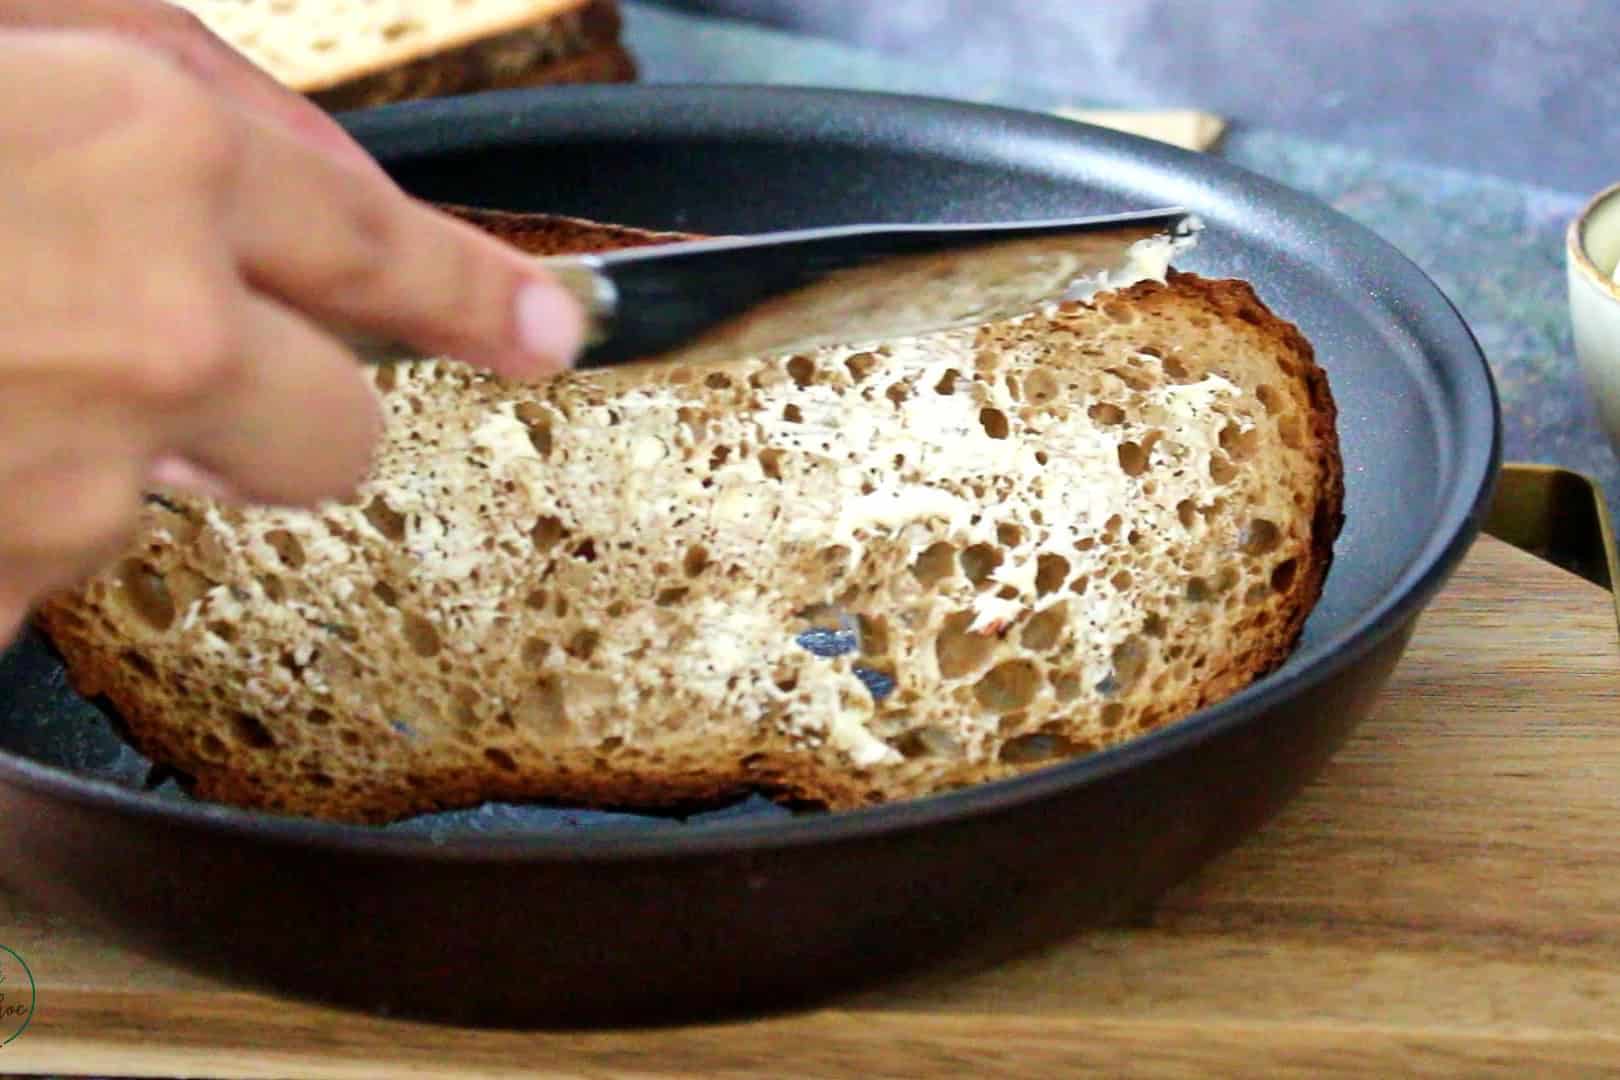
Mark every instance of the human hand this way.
pixel 185 39
pixel 162 257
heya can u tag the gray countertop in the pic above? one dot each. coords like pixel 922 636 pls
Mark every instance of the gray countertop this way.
pixel 1501 87
pixel 1494 245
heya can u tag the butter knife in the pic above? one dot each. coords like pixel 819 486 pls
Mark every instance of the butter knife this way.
pixel 781 292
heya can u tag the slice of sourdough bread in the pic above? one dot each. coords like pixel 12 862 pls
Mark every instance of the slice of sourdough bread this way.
pixel 350 54
pixel 845 577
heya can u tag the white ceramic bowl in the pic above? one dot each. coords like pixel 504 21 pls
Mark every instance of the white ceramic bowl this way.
pixel 1592 248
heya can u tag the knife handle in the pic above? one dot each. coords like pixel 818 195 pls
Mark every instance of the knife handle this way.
pixel 580 275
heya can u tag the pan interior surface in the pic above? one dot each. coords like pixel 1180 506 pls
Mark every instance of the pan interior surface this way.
pixel 1417 413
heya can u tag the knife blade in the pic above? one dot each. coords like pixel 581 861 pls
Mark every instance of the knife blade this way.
pixel 770 293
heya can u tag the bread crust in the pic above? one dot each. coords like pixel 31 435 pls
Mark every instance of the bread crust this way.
pixel 744 757
pixel 1237 299
pixel 559 234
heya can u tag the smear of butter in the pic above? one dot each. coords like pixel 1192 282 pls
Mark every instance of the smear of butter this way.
pixel 1147 260
pixel 991 613
pixel 504 436
pixel 853 737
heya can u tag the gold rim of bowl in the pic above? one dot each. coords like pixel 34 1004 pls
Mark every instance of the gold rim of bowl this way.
pixel 1575 241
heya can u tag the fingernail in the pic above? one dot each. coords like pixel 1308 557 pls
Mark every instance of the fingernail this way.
pixel 550 325
pixel 181 475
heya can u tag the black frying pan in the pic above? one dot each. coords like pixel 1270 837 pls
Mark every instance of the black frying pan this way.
pixel 521 915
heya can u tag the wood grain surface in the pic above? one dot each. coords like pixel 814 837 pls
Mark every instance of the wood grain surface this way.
pixel 1189 129
pixel 1444 900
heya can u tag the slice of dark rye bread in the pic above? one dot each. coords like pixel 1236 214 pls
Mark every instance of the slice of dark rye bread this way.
pixel 361 53
pixel 581 45
pixel 1027 540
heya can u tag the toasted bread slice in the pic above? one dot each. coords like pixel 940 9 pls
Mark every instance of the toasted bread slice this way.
pixel 349 54
pixel 844 578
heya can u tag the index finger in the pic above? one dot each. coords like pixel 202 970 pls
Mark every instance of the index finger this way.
pixel 351 248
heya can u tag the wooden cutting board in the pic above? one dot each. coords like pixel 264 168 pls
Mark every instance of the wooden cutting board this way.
pixel 1446 898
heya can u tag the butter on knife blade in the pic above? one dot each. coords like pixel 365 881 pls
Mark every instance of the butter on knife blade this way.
pixel 728 298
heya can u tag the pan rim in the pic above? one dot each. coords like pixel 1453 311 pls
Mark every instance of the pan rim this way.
pixel 1458 521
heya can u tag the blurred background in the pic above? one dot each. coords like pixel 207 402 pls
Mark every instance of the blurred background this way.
pixel 1524 89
